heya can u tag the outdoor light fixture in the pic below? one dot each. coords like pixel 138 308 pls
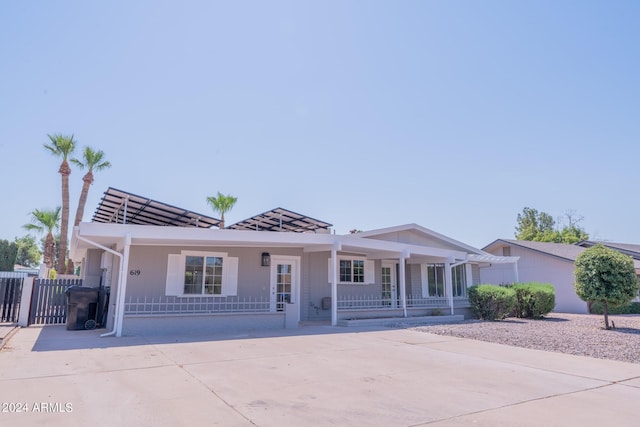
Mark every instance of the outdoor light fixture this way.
pixel 266 259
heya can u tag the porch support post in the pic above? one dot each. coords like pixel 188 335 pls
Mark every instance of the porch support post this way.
pixel 403 283
pixel 448 279
pixel 334 286
pixel 515 271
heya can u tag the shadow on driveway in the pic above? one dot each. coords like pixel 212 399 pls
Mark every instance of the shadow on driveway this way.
pixel 58 338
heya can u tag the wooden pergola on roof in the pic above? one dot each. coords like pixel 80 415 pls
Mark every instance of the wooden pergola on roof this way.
pixel 121 207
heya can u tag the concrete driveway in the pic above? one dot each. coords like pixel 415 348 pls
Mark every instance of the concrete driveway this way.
pixel 316 375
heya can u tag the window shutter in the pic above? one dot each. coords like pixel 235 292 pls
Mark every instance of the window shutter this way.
pixel 423 280
pixel 369 272
pixel 230 276
pixel 175 271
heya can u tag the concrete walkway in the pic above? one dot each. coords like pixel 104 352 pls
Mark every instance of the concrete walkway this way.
pixel 313 376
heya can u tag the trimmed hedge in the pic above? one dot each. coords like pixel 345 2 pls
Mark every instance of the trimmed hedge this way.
pixel 633 308
pixel 489 302
pixel 533 300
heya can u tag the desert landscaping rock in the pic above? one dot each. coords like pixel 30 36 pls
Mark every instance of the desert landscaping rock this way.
pixel 577 334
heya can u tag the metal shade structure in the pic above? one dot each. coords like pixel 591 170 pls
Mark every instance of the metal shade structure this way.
pixel 280 219
pixel 121 207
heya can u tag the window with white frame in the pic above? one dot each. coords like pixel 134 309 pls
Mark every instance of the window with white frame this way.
pixel 459 278
pixel 435 280
pixel 203 275
pixel 193 273
pixel 352 270
pixel 357 271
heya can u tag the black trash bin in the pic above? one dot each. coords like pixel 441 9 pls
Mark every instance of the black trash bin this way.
pixel 82 308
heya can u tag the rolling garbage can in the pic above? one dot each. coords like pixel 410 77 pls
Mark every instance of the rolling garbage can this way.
pixel 82 308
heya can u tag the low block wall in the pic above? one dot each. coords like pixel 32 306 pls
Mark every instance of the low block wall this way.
pixel 201 324
pixel 386 312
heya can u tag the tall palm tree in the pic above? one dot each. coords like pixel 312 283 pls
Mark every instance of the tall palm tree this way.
pixel 93 161
pixel 46 221
pixel 62 146
pixel 222 204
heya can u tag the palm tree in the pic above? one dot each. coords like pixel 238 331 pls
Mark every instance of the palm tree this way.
pixel 93 161
pixel 63 146
pixel 222 204
pixel 46 221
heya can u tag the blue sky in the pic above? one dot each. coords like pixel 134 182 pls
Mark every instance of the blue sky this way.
pixel 451 114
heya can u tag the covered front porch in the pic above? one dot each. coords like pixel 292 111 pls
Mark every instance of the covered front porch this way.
pixel 411 281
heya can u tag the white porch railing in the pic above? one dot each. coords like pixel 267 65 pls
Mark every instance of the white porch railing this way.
pixel 194 305
pixel 367 302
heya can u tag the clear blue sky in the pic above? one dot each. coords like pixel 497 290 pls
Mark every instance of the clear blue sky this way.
pixel 451 114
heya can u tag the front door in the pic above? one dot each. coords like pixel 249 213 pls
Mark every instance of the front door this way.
pixel 284 281
pixel 389 285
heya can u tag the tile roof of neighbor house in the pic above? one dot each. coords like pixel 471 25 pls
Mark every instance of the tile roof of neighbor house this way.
pixel 633 250
pixel 560 250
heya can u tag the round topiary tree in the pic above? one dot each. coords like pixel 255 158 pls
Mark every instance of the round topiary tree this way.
pixel 606 276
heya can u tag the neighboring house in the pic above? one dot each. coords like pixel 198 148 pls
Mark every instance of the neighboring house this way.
pixel 632 250
pixel 276 269
pixel 541 262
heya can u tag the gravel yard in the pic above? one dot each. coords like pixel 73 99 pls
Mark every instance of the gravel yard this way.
pixel 579 334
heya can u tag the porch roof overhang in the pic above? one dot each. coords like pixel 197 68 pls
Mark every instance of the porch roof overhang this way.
pixel 110 235
pixel 492 259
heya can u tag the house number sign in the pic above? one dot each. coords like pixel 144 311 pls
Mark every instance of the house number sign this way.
pixel 134 273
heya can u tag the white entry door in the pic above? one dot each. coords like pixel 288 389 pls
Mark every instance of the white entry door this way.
pixel 389 285
pixel 285 281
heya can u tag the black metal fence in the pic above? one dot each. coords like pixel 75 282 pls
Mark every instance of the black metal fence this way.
pixel 10 294
pixel 48 301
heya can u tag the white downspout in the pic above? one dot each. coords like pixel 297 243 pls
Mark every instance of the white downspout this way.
pixel 120 274
pixel 117 326
pixel 515 271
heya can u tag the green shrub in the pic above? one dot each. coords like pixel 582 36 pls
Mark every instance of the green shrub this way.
pixel 633 308
pixel 491 302
pixel 533 300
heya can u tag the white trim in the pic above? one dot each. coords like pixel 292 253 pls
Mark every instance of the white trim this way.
pixel 421 229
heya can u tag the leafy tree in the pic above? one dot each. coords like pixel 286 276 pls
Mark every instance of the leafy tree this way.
pixel 28 253
pixel 541 227
pixel 573 235
pixel 606 276
pixel 534 225
pixel 46 221
pixel 222 204
pixel 63 146
pixel 8 252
